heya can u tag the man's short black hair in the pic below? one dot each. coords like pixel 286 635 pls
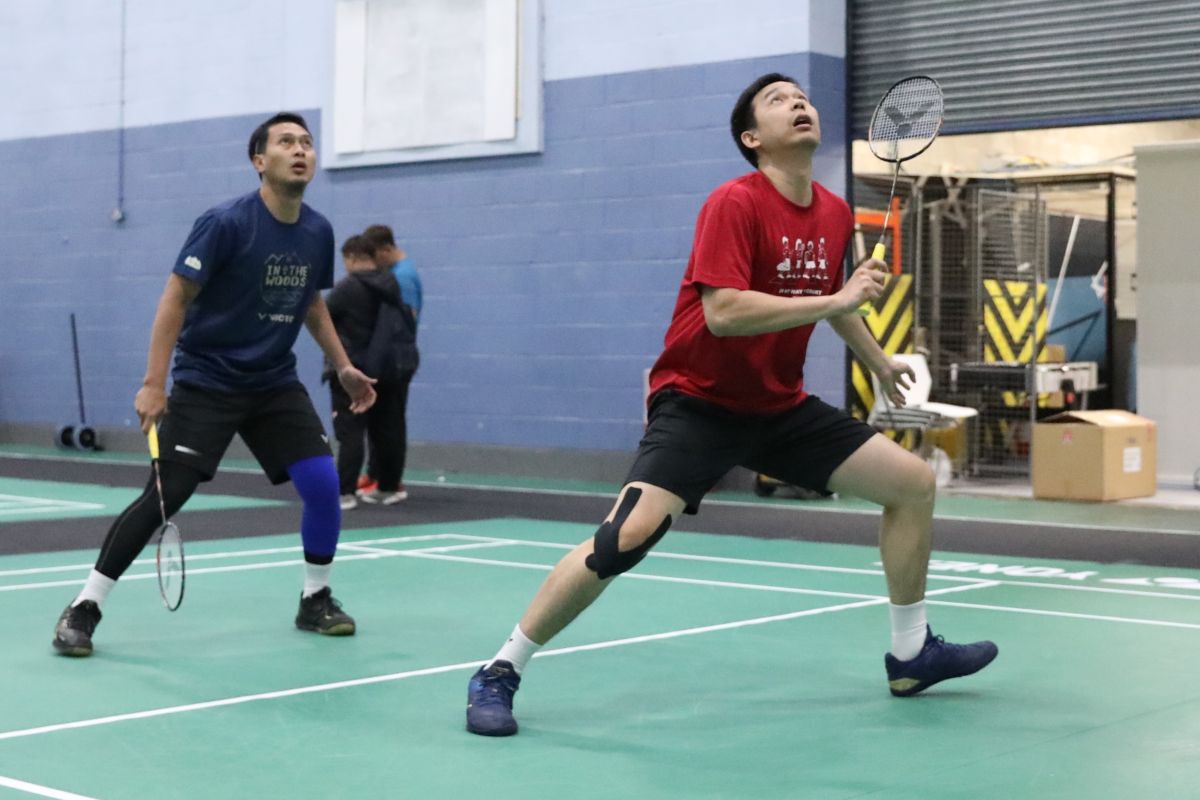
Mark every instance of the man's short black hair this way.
pixel 358 245
pixel 742 119
pixel 258 139
pixel 380 236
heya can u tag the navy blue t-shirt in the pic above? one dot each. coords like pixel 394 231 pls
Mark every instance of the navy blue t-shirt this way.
pixel 258 277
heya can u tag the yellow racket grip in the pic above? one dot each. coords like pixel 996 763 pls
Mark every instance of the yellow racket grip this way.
pixel 152 439
pixel 877 254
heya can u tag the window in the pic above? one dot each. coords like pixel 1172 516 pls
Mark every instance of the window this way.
pixel 423 80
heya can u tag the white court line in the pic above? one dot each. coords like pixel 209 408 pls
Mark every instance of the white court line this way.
pixel 397 676
pixel 980 584
pixel 721 626
pixel 749 562
pixel 62 504
pixel 1040 612
pixel 145 576
pixel 244 553
pixel 39 510
pixel 388 552
pixel 648 577
pixel 500 542
pixel 861 571
pixel 1100 589
pixel 861 603
pixel 378 552
pixel 440 554
pixel 41 791
pixel 13 512
pixel 54 505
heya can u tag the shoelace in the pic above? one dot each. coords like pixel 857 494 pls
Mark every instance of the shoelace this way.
pixel 497 690
pixel 81 620
pixel 325 604
pixel 950 647
pixel 329 606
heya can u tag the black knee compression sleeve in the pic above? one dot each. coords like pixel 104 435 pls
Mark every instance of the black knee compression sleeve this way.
pixel 133 528
pixel 607 558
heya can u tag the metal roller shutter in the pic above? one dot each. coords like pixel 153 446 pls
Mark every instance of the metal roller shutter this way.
pixel 1010 64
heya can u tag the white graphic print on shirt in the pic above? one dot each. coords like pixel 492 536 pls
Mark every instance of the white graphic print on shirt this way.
pixel 808 273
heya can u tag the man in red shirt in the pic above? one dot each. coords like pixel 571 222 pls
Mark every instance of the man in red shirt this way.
pixel 728 390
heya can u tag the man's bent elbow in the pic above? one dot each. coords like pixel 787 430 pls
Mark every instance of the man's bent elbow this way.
pixel 718 324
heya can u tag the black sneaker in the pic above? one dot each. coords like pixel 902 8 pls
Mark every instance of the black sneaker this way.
pixel 73 633
pixel 323 614
pixel 937 661
pixel 490 699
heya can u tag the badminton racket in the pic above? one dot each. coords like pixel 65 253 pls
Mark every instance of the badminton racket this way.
pixel 169 558
pixel 905 122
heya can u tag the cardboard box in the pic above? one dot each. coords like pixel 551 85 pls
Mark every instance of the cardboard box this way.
pixel 1094 455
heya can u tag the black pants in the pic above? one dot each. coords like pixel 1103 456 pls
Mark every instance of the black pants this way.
pixel 280 426
pixel 384 427
pixel 691 443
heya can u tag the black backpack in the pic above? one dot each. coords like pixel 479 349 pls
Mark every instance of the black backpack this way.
pixel 392 351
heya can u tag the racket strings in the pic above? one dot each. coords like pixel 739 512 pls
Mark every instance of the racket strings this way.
pixel 170 566
pixel 907 119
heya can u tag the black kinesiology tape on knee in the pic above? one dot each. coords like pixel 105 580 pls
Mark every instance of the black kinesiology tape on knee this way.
pixel 607 559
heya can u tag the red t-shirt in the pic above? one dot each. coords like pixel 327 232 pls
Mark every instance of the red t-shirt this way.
pixel 749 236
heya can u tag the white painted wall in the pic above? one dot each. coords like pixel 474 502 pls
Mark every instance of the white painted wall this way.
pixel 601 37
pixel 60 60
pixel 1168 371
pixel 60 63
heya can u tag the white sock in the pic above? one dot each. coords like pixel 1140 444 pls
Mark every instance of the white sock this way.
pixel 96 589
pixel 908 629
pixel 517 650
pixel 316 577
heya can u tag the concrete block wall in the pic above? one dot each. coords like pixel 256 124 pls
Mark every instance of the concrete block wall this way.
pixel 549 278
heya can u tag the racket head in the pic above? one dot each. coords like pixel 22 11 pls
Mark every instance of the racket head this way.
pixel 170 566
pixel 907 119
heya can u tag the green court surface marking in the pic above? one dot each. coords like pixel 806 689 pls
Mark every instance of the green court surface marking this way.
pixel 721 667
pixel 1016 510
pixel 22 500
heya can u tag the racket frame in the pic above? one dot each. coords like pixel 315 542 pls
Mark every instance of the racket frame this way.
pixel 171 601
pixel 880 250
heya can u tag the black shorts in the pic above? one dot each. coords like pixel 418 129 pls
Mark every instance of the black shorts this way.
pixel 691 443
pixel 280 426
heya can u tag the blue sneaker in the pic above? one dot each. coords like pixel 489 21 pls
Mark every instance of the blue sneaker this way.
pixel 490 698
pixel 937 661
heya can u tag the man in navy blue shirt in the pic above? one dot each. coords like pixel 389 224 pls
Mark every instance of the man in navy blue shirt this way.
pixel 247 278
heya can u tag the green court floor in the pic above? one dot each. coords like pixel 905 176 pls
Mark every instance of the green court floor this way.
pixel 723 667
pixel 22 500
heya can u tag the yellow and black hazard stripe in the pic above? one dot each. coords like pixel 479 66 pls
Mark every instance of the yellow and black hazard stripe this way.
pixel 1014 320
pixel 891 323
pixel 1014 317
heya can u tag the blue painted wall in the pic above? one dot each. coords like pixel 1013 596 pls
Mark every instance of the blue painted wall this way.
pixel 549 278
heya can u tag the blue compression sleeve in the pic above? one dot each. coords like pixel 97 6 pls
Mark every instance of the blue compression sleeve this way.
pixel 317 484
